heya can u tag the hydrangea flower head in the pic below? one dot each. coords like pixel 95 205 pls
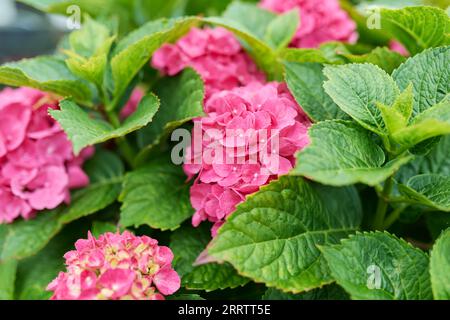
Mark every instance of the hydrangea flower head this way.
pixel 116 266
pixel 215 54
pixel 37 165
pixel 248 138
pixel 321 21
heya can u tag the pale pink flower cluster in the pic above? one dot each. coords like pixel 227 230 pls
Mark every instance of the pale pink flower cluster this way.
pixel 248 138
pixel 116 266
pixel 321 21
pixel 215 54
pixel 37 165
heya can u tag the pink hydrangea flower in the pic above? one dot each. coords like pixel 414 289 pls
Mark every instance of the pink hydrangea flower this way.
pixel 116 266
pixel 398 47
pixel 133 102
pixel 248 138
pixel 321 21
pixel 215 54
pixel 37 165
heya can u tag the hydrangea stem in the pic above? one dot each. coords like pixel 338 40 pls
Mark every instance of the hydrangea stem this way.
pixel 125 149
pixel 383 204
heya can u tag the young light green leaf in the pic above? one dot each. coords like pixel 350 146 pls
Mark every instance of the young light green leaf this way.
pixel 84 131
pixel 305 81
pixel 88 55
pixel 417 28
pixel 342 153
pixel 282 29
pixel 134 51
pixel 250 16
pixel 432 190
pixel 156 195
pixel 356 88
pixel 181 101
pixel 23 238
pixel 379 266
pixel 431 123
pixel 396 117
pixel 383 57
pixel 430 76
pixel 329 292
pixel 272 236
pixel 7 279
pixel 187 244
pixel 440 266
pixel 46 73
pixel 100 227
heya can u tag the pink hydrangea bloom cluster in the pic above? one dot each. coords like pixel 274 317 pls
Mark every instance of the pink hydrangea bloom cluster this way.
pixel 249 137
pixel 321 21
pixel 116 266
pixel 215 54
pixel 37 165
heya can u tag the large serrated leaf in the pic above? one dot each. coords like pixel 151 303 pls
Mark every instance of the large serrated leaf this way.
pixel 430 76
pixel 342 153
pixel 379 266
pixel 7 279
pixel 84 131
pixel 187 243
pixel 272 237
pixel 440 267
pixel 156 195
pixel 384 58
pixel 329 292
pixel 432 190
pixel 417 28
pixel 356 88
pixel 46 73
pixel 305 81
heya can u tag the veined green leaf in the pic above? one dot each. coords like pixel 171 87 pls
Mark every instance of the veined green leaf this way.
pixel 429 189
pixel 440 266
pixel 46 73
pixel 272 237
pixel 379 266
pixel 84 131
pixel 342 153
pixel 7 279
pixel 356 88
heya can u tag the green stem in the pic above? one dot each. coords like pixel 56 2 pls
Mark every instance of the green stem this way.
pixel 394 216
pixel 383 204
pixel 124 147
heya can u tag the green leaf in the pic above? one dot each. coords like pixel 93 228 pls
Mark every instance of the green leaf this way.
pixel 282 29
pixel 396 117
pixel 47 74
pixel 356 88
pixel 84 131
pixel 252 18
pixel 432 190
pixel 7 279
pixel 417 28
pixel 379 266
pixel 100 227
pixel 88 55
pixel 383 57
pixel 23 238
pixel 440 266
pixel 36 272
pixel 263 55
pixel 342 153
pixel 181 101
pixel 431 123
pixel 134 51
pixel 329 292
pixel 187 244
pixel 430 76
pixel 305 81
pixel 272 236
pixel 156 195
